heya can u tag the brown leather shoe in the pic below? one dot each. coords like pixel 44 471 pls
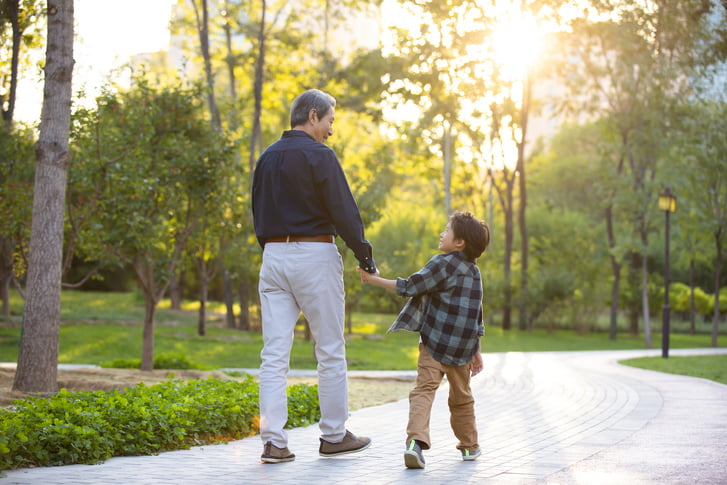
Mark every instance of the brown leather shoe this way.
pixel 350 444
pixel 273 454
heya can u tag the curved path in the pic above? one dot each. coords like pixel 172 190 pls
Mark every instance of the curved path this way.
pixel 544 418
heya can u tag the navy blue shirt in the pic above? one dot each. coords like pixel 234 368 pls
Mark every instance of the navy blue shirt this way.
pixel 299 188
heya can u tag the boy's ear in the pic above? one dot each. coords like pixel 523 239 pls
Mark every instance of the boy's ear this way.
pixel 459 244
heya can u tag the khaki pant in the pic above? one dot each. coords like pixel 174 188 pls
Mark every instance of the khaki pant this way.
pixel 461 402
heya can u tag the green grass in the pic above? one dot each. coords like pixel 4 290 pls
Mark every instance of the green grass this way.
pixel 712 367
pixel 101 327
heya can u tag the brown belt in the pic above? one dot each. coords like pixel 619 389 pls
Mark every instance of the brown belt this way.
pixel 326 238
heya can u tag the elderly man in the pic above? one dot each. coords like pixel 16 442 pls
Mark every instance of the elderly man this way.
pixel 300 201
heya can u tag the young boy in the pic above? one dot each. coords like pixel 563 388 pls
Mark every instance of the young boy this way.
pixel 446 309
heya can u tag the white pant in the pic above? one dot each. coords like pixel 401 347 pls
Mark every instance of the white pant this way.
pixel 303 277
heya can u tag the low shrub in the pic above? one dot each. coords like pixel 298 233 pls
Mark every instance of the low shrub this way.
pixel 90 427
pixel 161 361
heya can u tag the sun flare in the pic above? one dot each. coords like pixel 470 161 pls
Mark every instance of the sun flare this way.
pixel 517 45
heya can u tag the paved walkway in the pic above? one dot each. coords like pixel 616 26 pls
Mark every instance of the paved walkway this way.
pixel 544 418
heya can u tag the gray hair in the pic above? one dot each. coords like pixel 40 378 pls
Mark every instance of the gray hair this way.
pixel 315 99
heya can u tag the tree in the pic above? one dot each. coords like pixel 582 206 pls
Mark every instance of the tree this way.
pixel 703 181
pixel 19 24
pixel 433 68
pixel 23 18
pixel 38 355
pixel 160 165
pixel 570 187
pixel 635 61
pixel 16 203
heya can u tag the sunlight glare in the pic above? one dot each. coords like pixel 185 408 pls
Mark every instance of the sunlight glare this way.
pixel 517 45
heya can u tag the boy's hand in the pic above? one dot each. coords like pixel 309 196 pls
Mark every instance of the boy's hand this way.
pixel 364 275
pixel 476 364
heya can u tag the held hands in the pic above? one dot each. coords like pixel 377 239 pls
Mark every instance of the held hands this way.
pixel 366 276
pixel 376 279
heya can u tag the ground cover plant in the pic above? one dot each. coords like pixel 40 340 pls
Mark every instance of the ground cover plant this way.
pixel 89 427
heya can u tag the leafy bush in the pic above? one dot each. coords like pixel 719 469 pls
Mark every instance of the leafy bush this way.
pixel 704 302
pixel 89 427
pixel 678 297
pixel 303 405
pixel 161 361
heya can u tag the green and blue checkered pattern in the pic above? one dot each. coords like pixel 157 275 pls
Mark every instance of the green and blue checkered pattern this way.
pixel 445 307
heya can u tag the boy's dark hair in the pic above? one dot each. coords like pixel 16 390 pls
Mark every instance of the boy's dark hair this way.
pixel 473 231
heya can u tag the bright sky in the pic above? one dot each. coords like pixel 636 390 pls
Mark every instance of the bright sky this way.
pixel 108 33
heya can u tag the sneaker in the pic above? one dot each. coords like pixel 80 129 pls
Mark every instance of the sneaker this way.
pixel 350 444
pixel 471 455
pixel 273 454
pixel 413 457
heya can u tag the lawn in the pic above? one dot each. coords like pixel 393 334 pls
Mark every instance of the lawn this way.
pixel 99 327
pixel 712 367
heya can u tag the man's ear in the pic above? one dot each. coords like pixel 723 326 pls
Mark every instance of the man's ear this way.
pixel 313 115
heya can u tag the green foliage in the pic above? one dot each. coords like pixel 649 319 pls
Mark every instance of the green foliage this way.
pixel 164 360
pixel 90 427
pixel 17 169
pixel 404 239
pixel 560 282
pixel 303 405
pixel 679 295
pixel 145 165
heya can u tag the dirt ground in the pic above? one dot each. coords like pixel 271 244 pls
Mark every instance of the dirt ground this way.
pixel 362 392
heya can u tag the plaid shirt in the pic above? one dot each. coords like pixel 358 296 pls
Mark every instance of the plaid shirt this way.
pixel 445 307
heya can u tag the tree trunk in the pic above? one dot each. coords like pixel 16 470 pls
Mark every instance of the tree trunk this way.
pixel 147 345
pixel 349 318
pixel 152 294
pixel 6 272
pixel 645 298
pixel 524 114
pixel 202 316
pixel 204 283
pixel 229 303
pixel 634 269
pixel 38 356
pixel 204 42
pixel 717 285
pixel 230 58
pixel 692 324
pixel 176 290
pixel 12 9
pixel 616 268
pixel 505 195
pixel 7 243
pixel 507 305
pixel 447 151
pixel 244 291
pixel 307 334
pixel 491 218
pixel 233 117
pixel 258 91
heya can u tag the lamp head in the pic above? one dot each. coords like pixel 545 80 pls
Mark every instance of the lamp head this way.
pixel 667 201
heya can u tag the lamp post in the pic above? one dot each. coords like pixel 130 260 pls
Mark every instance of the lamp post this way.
pixel 667 203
